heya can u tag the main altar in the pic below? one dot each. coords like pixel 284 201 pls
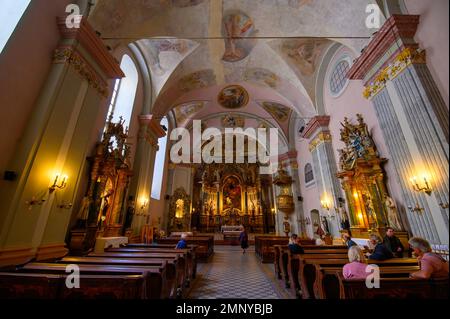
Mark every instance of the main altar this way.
pixel 231 195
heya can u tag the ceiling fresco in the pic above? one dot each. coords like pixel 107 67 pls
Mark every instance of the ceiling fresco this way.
pixel 272 49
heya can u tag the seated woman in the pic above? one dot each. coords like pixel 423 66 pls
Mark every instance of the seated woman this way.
pixel 380 251
pixel 356 269
pixel 294 245
pixel 432 265
pixel 182 244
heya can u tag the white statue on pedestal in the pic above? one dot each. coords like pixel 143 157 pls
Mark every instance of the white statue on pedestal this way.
pixel 391 209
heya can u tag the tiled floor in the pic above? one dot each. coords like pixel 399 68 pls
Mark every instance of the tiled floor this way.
pixel 233 275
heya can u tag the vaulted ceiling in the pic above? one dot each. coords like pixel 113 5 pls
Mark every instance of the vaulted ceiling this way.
pixel 272 48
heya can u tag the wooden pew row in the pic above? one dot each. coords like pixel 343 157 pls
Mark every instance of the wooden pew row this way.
pixel 327 284
pixel 204 245
pixel 396 288
pixel 307 269
pixel 293 266
pixel 48 286
pixel 180 256
pixel 190 255
pixel 157 285
pixel 281 258
pixel 174 271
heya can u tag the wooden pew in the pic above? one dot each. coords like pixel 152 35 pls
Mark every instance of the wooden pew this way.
pixel 395 288
pixel 190 254
pixel 173 270
pixel 181 258
pixel 278 250
pixel 282 249
pixel 19 286
pixel 307 269
pixel 264 247
pixel 29 286
pixel 327 285
pixel 281 257
pixel 293 264
pixel 204 250
pixel 156 281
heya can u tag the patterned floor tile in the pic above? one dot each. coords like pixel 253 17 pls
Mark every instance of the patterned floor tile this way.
pixel 233 275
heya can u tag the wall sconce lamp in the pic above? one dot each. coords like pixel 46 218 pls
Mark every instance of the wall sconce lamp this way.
pixel 425 187
pixel 444 206
pixel 144 204
pixel 416 209
pixel 325 203
pixel 60 182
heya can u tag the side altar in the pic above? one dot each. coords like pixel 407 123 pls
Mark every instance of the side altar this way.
pixel 371 209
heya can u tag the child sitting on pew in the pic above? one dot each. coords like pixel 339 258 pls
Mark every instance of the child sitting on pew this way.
pixel 432 265
pixel 356 269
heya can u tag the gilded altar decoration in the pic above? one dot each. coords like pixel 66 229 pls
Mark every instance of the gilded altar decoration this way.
pixel 400 63
pixel 363 180
pixel 285 200
pixel 180 211
pixel 103 209
pixel 230 195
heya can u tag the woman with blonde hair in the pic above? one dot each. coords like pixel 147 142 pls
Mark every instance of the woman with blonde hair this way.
pixel 356 269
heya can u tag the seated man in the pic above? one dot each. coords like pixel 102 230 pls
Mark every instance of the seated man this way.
pixel 432 265
pixel 348 240
pixel 294 245
pixel 393 243
pixel 380 251
pixel 182 244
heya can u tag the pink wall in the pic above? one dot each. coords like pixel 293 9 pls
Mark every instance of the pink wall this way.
pixel 24 64
pixel 348 105
pixel 432 36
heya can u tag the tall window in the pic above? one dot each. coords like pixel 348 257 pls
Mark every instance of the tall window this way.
pixel 309 174
pixel 10 13
pixel 124 93
pixel 158 171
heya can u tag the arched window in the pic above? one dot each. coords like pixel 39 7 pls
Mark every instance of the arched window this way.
pixel 158 171
pixel 124 93
pixel 309 174
pixel 10 13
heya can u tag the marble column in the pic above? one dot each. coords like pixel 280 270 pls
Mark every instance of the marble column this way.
pixel 414 120
pixel 325 169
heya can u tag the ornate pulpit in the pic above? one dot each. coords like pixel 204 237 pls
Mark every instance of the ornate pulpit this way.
pixel 363 180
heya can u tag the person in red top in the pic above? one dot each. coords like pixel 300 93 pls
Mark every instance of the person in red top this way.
pixel 432 265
